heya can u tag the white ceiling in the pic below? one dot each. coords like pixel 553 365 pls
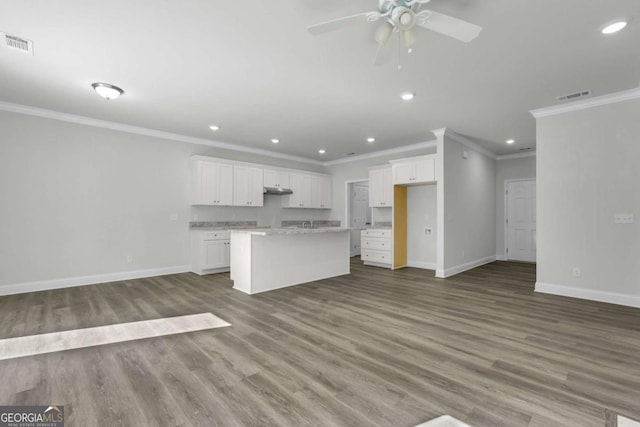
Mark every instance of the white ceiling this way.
pixel 252 68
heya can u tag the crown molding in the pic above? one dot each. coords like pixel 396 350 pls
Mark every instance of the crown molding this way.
pixel 89 121
pixel 468 143
pixel 381 153
pixel 517 155
pixel 597 101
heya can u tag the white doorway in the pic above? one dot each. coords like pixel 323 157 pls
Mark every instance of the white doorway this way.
pixel 358 213
pixel 520 224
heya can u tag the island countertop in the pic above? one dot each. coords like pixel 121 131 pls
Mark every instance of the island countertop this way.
pixel 288 231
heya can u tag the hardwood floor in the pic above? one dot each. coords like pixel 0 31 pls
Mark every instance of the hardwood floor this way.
pixel 376 347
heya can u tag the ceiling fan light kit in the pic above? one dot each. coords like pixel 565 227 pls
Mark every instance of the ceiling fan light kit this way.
pixel 402 17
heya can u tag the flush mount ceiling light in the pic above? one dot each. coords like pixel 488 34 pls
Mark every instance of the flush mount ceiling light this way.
pixel 214 128
pixel 510 141
pixel 322 151
pixel 371 140
pixel 107 91
pixel 408 96
pixel 275 140
pixel 614 27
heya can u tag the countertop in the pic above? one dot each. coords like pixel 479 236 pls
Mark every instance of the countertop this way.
pixel 289 231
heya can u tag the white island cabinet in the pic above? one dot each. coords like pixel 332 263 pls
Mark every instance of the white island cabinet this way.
pixel 263 260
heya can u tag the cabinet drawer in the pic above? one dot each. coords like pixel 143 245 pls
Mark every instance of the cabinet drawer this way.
pixel 376 256
pixel 216 235
pixel 372 232
pixel 379 244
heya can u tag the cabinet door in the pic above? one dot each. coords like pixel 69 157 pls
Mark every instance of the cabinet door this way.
pixel 256 187
pixel 403 173
pixel 387 185
pixel 301 187
pixel 425 170
pixel 225 184
pixel 326 192
pixel 376 188
pixel 214 253
pixel 206 181
pixel 283 180
pixel 248 186
pixel 270 177
pixel 321 192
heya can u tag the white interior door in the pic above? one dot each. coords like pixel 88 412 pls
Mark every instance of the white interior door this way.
pixel 360 214
pixel 521 221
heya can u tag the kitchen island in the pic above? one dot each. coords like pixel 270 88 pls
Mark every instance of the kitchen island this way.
pixel 274 258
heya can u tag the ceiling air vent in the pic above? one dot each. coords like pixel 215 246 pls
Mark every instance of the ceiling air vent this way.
pixel 573 96
pixel 18 43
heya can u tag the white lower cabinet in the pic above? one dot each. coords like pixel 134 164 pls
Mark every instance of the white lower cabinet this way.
pixel 210 251
pixel 377 247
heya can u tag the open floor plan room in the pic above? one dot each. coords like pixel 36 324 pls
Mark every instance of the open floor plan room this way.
pixel 376 347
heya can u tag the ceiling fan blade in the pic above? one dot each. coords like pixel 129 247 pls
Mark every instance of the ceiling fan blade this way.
pixel 448 25
pixel 339 23
pixel 384 51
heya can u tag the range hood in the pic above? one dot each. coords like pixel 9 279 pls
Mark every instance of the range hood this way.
pixel 277 191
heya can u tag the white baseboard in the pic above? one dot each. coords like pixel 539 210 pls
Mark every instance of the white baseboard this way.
pixel 44 285
pixel 629 300
pixel 422 264
pixel 501 257
pixel 452 271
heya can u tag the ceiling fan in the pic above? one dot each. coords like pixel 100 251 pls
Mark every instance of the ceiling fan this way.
pixel 401 17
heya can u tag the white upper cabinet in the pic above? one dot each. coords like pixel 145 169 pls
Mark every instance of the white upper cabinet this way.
pixel 300 184
pixel 321 191
pixel 380 187
pixel 211 183
pixel 414 170
pixel 276 178
pixel 248 188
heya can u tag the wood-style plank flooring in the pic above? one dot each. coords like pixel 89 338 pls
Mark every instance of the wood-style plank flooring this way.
pixel 376 347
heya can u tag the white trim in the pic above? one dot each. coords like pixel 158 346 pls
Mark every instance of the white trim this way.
pixel 18 288
pixel 501 257
pixel 388 152
pixel 597 101
pixel 421 264
pixel 88 121
pixel 469 143
pixel 506 213
pixel 629 300
pixel 452 271
pixel 517 155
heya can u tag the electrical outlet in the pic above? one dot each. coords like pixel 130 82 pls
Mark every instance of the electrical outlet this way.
pixel 577 272
pixel 173 217
pixel 129 259
pixel 623 219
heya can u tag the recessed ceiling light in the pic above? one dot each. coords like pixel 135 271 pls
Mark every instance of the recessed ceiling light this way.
pixel 614 27
pixel 510 141
pixel 107 91
pixel 371 140
pixel 275 140
pixel 322 151
pixel 408 96
pixel 214 127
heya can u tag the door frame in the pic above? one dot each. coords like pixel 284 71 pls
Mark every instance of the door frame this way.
pixel 506 211
pixel 347 203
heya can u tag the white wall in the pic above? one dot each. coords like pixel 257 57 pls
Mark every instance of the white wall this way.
pixel 466 207
pixel 76 200
pixel 587 171
pixel 421 213
pixel 508 169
